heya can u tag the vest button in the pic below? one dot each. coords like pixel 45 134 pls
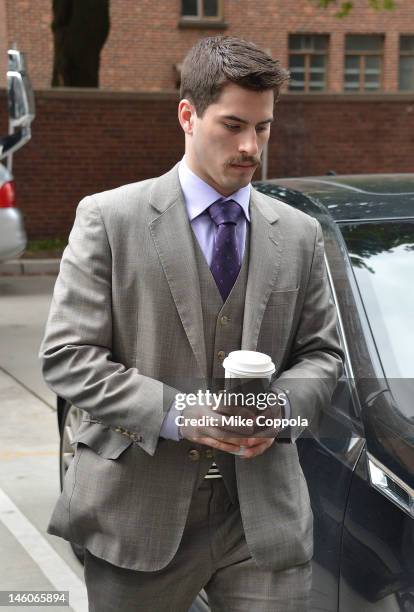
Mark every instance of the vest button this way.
pixel 193 455
pixel 209 453
pixel 224 320
pixel 221 355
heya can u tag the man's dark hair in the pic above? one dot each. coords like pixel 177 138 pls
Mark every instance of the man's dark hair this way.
pixel 214 62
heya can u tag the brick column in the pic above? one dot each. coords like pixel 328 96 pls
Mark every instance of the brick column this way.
pixel 391 61
pixel 336 62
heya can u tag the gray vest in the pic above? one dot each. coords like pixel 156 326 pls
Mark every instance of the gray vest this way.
pixel 223 325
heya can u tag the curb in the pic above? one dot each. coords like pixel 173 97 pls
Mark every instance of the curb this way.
pixel 29 267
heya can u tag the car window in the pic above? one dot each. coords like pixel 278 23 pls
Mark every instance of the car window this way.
pixel 382 257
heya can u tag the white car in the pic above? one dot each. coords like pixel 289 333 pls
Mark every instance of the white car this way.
pixel 12 234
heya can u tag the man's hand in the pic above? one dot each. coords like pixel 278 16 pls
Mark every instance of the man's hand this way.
pixel 212 432
pixel 256 447
pixel 254 439
pixel 263 435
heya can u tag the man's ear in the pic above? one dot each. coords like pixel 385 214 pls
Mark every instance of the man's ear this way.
pixel 186 115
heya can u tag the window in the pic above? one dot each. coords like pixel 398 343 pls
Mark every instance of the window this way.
pixel 201 9
pixel 382 257
pixel 363 62
pixel 308 60
pixel 406 76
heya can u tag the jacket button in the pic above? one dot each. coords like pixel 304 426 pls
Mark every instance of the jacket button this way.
pixel 221 355
pixel 224 320
pixel 193 455
pixel 209 453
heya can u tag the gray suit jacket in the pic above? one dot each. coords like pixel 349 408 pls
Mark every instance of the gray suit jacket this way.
pixel 125 333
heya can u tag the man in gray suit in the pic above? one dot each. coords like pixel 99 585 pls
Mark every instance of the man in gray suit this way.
pixel 161 279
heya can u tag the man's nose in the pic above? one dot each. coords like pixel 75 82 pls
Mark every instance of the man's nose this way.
pixel 248 144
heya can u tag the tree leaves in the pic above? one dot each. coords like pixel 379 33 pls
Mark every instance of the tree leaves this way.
pixel 345 7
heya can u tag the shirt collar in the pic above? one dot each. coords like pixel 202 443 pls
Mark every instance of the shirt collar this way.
pixel 199 195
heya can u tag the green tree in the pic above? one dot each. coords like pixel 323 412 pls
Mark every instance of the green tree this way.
pixel 80 29
pixel 346 6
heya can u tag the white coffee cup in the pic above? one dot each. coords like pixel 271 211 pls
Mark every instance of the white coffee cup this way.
pixel 248 364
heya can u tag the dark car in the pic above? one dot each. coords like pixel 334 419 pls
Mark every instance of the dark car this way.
pixel 358 458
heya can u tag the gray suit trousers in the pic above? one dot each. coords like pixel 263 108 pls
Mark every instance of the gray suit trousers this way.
pixel 213 555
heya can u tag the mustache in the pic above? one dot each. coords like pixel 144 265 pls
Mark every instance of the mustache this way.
pixel 254 161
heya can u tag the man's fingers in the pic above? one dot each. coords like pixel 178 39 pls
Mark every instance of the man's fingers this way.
pixel 239 430
pixel 222 431
pixel 265 432
pixel 258 449
pixel 256 441
pixel 253 447
pixel 218 444
pixel 241 411
pixel 239 420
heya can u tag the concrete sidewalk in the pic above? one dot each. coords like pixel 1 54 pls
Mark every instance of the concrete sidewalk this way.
pixel 29 267
pixel 32 559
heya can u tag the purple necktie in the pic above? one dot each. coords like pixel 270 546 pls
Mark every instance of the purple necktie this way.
pixel 226 261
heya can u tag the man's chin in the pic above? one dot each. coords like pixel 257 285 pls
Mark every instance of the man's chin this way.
pixel 230 188
pixel 232 183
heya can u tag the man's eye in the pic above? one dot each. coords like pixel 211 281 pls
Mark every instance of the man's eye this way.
pixel 261 128
pixel 229 126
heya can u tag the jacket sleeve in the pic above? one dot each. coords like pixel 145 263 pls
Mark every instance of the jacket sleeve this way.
pixel 316 358
pixel 76 351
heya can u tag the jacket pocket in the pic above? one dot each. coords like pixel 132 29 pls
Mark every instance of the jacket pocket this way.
pixel 283 294
pixel 102 440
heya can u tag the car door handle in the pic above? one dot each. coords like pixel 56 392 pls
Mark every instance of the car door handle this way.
pixel 390 485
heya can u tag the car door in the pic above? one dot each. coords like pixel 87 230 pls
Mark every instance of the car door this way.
pixel 377 556
pixel 330 451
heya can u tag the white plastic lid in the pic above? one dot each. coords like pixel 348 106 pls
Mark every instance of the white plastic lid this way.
pixel 249 363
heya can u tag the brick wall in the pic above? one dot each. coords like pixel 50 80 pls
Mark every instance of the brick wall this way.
pixel 145 40
pixel 28 25
pixel 88 141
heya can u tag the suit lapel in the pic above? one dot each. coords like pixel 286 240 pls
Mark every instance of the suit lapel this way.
pixel 264 263
pixel 172 235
